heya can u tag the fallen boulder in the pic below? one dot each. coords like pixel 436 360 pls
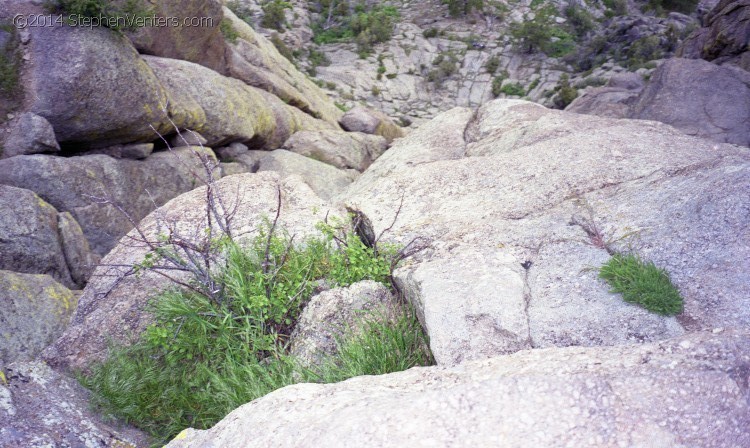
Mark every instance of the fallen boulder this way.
pixel 345 150
pixel 368 121
pixel 30 134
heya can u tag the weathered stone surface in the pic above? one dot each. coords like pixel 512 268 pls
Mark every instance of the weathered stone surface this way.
pixel 369 121
pixel 68 183
pixel 725 37
pixel 343 150
pixel 498 195
pixel 39 407
pixel 112 306
pixel 325 180
pixel 136 151
pixel 688 391
pixel 78 255
pixel 605 102
pixel 231 152
pixel 330 314
pixel 257 62
pixel 187 138
pixel 225 110
pixel 699 98
pixel 92 86
pixel 29 238
pixel 30 134
pixel 34 311
pixel 199 40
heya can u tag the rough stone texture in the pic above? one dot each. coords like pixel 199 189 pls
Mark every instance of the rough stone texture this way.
pixel 34 311
pixel 39 407
pixel 699 98
pixel 30 134
pixel 225 110
pixel 78 255
pixel 688 391
pixel 203 44
pixel 725 36
pixel 326 181
pixel 498 195
pixel 256 61
pixel 29 238
pixel 187 138
pixel 331 313
pixel 138 151
pixel 92 86
pixel 231 152
pixel 68 183
pixel 344 150
pixel 361 119
pixel 112 306
pixel 609 102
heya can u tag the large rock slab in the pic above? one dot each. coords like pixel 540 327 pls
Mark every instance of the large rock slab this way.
pixel 112 305
pixel 34 311
pixel 29 238
pixel 361 119
pixel 72 184
pixel 40 407
pixel 699 98
pixel 725 36
pixel 689 391
pixel 92 86
pixel 30 134
pixel 511 200
pixel 345 150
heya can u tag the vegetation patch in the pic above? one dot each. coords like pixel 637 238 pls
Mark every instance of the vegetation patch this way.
pixel 366 24
pixel 228 31
pixel 274 15
pixel 513 89
pixel 9 65
pixel 117 15
pixel 642 283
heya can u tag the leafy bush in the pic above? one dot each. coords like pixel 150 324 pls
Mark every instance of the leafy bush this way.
pixel 204 357
pixel 643 50
pixel 492 64
pixel 446 65
pixel 9 66
pixel 513 89
pixel 565 92
pixel 615 7
pixel 430 33
pixel 497 84
pixel 462 7
pixel 228 31
pixel 241 10
pixel 367 26
pixel 683 6
pixel 282 47
pixel 642 283
pixel 579 19
pixel 274 16
pixel 117 15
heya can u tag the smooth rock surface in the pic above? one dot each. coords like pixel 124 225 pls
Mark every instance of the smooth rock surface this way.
pixel 345 150
pixel 506 198
pixel 688 391
pixel 40 407
pixel 368 121
pixel 30 134
pixel 34 311
pixel 112 305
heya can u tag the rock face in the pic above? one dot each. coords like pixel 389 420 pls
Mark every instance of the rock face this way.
pixel 29 238
pixel 35 311
pixel 725 36
pixel 689 391
pixel 345 150
pixel 699 98
pixel 512 199
pixel 39 407
pixel 614 100
pixel 368 121
pixel 31 134
pixel 70 183
pixel 92 86
pixel 331 313
pixel 112 306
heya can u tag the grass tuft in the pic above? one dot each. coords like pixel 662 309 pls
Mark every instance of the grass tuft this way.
pixel 642 283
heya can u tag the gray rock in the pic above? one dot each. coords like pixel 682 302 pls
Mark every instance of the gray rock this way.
pixel 325 180
pixel 333 313
pixel 627 81
pixel 699 98
pixel 92 86
pixel 34 311
pixel 29 238
pixel 345 150
pixel 368 121
pixel 137 151
pixel 724 37
pixel 681 392
pixel 30 134
pixel 187 138
pixel 78 255
pixel 70 184
pixel 231 152
pixel 496 195
pixel 611 102
pixel 40 407
pixel 112 306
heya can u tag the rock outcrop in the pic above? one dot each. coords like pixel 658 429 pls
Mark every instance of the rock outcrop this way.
pixel 112 306
pixel 30 134
pixel 40 407
pixel 35 311
pixel 688 391
pixel 699 98
pixel 513 199
pixel 345 150
pixel 725 36
pixel 368 121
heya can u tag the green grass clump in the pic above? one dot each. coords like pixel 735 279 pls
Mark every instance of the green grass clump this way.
pixel 642 283
pixel 513 89
pixel 204 357
pixel 228 31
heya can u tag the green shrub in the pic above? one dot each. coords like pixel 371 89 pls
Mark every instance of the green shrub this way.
pixel 430 33
pixel 579 19
pixel 642 283
pixel 242 11
pixel 565 92
pixel 683 6
pixel 513 89
pixel 274 16
pixel 492 64
pixel 616 7
pixel 446 65
pixel 9 66
pixel 367 25
pixel 643 50
pixel 497 84
pixel 458 8
pixel 228 31
pixel 282 47
pixel 117 15
pixel 203 357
